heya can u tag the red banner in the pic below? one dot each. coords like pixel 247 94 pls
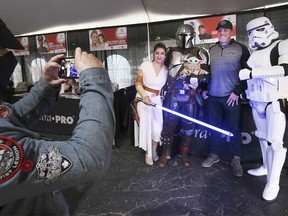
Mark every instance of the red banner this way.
pixel 108 38
pixel 51 43
pixel 205 28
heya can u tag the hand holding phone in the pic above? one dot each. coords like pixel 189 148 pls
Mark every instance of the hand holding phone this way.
pixel 68 68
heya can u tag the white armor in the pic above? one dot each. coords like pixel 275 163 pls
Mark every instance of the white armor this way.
pixel 176 62
pixel 267 89
pixel 260 33
pixel 184 36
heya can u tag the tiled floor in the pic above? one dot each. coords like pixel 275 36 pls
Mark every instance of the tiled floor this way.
pixel 132 188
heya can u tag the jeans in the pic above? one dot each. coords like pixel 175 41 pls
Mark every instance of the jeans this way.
pixel 225 117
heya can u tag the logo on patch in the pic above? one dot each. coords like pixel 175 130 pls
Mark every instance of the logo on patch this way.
pixel 4 111
pixel 27 166
pixel 52 164
pixel 11 156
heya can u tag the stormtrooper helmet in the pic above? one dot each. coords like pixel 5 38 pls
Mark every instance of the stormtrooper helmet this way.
pixel 184 36
pixel 260 33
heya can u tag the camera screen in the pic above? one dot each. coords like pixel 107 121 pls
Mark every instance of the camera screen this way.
pixel 68 68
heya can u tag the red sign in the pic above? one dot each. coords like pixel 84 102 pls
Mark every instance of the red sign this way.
pixel 205 28
pixel 108 38
pixel 51 43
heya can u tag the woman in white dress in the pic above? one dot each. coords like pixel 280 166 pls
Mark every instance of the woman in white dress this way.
pixel 151 77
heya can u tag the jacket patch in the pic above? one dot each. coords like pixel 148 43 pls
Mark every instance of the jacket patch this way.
pixel 5 111
pixel 11 156
pixel 27 166
pixel 52 164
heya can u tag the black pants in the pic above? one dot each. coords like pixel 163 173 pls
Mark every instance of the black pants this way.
pixel 225 117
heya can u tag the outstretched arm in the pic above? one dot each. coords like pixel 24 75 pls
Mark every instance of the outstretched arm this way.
pixel 42 96
pixel 55 165
pixel 279 61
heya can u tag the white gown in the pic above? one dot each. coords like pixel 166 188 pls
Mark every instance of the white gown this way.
pixel 151 118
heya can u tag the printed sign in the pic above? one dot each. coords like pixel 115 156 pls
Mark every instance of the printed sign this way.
pixel 205 28
pixel 108 38
pixel 25 43
pixel 51 43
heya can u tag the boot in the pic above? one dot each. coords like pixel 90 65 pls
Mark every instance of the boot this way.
pixel 185 160
pixel 184 150
pixel 163 161
pixel 148 160
pixel 166 151
pixel 262 170
pixel 275 162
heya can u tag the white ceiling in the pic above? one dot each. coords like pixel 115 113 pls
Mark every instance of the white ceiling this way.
pixel 46 16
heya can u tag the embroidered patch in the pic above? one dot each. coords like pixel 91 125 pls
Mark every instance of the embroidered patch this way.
pixel 11 156
pixel 4 111
pixel 52 164
pixel 27 166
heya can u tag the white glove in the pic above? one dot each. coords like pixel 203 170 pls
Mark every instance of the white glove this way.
pixel 244 74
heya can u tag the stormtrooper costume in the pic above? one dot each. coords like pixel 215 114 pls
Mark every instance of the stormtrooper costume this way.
pixel 267 90
pixel 188 75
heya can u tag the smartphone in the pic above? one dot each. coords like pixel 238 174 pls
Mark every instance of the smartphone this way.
pixel 68 68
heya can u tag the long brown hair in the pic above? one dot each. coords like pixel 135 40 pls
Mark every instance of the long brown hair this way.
pixel 159 45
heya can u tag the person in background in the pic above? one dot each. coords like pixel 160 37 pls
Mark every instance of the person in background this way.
pixel 188 76
pixel 94 40
pixel 267 91
pixel 41 48
pixel 8 61
pixel 202 33
pixel 228 57
pixel 151 77
pixel 71 86
pixel 102 41
pixel 33 169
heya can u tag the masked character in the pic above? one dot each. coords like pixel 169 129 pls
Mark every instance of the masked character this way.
pixel 188 76
pixel 268 92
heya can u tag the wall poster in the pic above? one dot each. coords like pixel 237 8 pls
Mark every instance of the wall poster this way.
pixel 25 43
pixel 51 43
pixel 205 28
pixel 108 38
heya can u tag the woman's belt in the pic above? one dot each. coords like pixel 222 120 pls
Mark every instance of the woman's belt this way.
pixel 157 92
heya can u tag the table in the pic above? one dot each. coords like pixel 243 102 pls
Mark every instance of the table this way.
pixel 61 118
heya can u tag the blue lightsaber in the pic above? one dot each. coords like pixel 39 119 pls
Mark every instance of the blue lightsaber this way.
pixel 190 119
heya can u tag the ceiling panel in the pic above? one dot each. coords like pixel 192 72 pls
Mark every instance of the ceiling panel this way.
pixel 42 16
